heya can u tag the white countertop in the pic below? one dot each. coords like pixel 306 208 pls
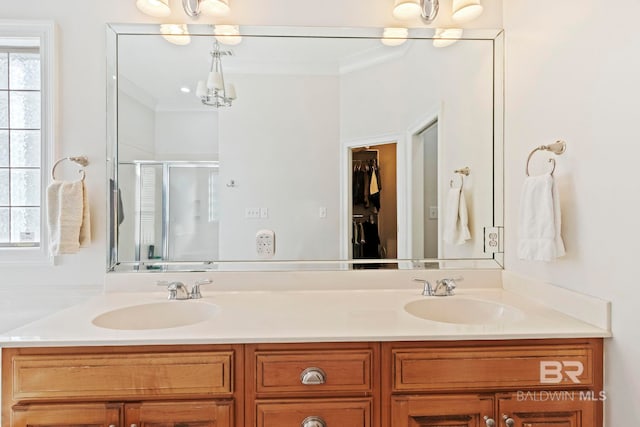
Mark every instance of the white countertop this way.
pixel 299 316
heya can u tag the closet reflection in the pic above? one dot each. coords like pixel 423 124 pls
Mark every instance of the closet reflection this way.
pixel 374 231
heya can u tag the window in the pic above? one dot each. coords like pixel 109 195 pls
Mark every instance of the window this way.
pixel 26 138
pixel 20 145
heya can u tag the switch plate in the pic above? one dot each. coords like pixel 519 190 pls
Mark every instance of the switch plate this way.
pixel 264 213
pixel 252 213
pixel 265 244
pixel 322 212
pixel 433 212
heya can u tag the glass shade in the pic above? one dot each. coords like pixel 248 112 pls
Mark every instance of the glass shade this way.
pixel 466 10
pixel 157 8
pixel 176 33
pixel 407 9
pixel 215 7
pixel 446 36
pixel 228 34
pixel 394 36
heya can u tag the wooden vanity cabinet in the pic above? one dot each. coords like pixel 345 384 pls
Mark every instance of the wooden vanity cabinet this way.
pixel 190 386
pixel 312 385
pixel 478 383
pixel 361 384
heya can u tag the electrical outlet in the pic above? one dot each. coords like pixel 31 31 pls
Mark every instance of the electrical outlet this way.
pixel 265 244
pixel 492 240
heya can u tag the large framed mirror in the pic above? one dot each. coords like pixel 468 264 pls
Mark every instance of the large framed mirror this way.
pixel 303 148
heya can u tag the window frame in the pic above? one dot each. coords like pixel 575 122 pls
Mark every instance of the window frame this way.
pixel 45 32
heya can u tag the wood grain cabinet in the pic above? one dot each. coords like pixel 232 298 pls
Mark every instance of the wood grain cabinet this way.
pixel 528 383
pixel 505 383
pixel 312 385
pixel 187 386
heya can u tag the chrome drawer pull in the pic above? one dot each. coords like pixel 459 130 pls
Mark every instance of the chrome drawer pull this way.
pixel 489 421
pixel 508 421
pixel 313 422
pixel 313 376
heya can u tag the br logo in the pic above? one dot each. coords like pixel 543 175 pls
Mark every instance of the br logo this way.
pixel 554 372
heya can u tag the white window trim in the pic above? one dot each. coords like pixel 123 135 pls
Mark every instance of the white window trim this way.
pixel 45 32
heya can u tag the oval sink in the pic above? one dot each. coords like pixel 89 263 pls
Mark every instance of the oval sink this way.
pixel 159 315
pixel 462 310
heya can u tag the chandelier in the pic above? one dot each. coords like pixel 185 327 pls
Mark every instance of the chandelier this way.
pixel 214 91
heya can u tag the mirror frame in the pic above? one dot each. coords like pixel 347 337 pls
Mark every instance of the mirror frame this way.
pixel 115 30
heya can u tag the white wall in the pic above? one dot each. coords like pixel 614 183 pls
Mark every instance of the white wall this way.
pixel 426 82
pixel 186 135
pixel 572 73
pixel 279 139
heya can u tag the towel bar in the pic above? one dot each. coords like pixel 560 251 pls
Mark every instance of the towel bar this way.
pixel 80 160
pixel 557 148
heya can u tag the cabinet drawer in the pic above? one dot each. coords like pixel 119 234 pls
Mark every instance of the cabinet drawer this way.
pixel 121 376
pixel 495 367
pixel 326 371
pixel 334 413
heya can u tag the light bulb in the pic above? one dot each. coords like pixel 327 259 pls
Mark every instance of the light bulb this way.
pixel 157 8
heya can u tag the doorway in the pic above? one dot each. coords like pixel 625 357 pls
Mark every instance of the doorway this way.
pixel 373 201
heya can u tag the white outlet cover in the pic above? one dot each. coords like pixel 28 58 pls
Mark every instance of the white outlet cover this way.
pixel 265 244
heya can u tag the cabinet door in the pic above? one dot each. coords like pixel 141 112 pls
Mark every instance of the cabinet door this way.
pixel 438 411
pixel 66 415
pixel 549 409
pixel 180 414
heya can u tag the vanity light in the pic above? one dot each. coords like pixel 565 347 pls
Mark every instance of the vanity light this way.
pixel 466 10
pixel 394 36
pixel 208 7
pixel 446 36
pixel 214 91
pixel 176 33
pixel 157 8
pixel 427 10
pixel 228 34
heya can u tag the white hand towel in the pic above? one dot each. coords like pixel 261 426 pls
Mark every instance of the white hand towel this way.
pixel 539 224
pixel 68 217
pixel 456 220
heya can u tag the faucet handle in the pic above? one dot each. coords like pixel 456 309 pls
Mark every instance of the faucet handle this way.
pixel 426 290
pixel 195 290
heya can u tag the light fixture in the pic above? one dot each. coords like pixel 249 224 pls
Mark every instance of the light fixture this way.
pixel 394 36
pixel 208 7
pixel 228 34
pixel 214 91
pixel 446 36
pixel 175 33
pixel 466 10
pixel 157 8
pixel 427 10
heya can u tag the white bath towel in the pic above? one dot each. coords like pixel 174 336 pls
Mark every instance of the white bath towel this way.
pixel 68 217
pixel 456 220
pixel 539 226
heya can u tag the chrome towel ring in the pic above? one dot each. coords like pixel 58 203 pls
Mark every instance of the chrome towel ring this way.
pixel 80 160
pixel 557 148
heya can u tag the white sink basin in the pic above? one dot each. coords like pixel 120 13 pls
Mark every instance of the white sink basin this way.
pixel 462 310
pixel 159 315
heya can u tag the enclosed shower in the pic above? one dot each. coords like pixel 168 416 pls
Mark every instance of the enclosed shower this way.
pixel 170 210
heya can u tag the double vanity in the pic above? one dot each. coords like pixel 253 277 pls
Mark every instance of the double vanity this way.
pixel 486 355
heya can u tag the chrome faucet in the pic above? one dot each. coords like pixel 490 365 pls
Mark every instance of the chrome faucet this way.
pixel 178 290
pixel 444 287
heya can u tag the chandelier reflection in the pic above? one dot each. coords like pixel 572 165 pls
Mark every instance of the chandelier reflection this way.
pixel 214 91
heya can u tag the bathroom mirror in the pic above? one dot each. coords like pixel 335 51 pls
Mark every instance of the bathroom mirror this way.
pixel 341 149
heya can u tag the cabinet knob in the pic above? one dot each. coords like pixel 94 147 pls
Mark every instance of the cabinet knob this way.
pixel 134 425
pixel 313 376
pixel 508 421
pixel 313 422
pixel 112 425
pixel 490 422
